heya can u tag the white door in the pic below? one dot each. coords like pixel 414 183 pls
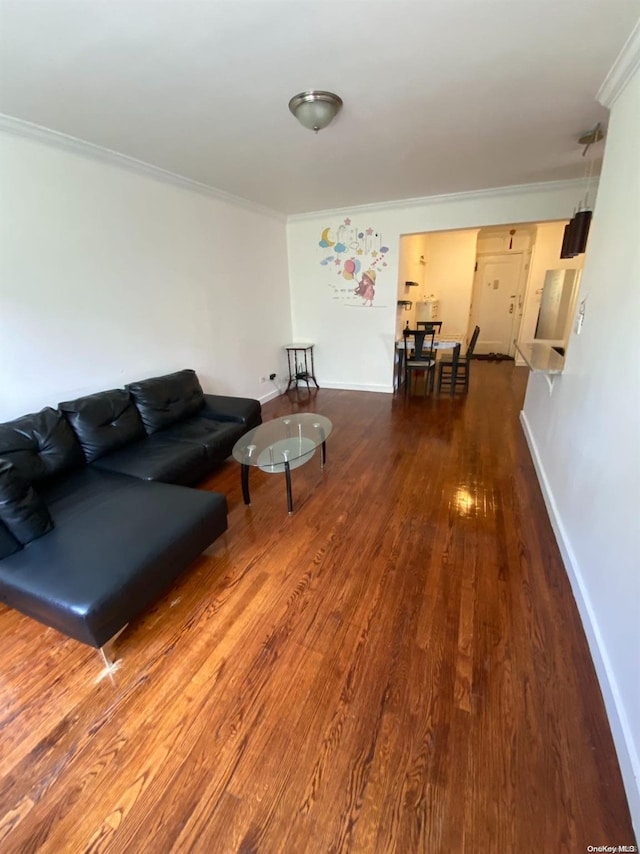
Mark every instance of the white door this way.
pixel 496 305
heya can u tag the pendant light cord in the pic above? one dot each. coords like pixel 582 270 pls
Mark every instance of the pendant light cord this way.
pixel 595 138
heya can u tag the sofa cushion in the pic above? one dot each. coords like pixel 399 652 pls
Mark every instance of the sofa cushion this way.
pixel 216 437
pixel 103 421
pixel 8 543
pixel 40 445
pixel 162 401
pixel 157 458
pixel 22 510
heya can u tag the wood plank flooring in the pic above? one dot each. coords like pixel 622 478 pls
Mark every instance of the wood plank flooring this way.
pixel 397 667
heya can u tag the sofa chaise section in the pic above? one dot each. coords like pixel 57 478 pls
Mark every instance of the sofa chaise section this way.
pixel 96 515
pixel 117 544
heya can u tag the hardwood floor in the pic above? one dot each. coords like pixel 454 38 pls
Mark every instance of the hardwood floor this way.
pixel 397 667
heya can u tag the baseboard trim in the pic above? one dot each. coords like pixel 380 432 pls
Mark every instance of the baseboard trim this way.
pixel 495 357
pixel 270 395
pixel 618 721
pixel 302 387
pixel 385 389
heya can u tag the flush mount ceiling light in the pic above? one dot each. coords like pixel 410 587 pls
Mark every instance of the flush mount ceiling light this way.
pixel 315 109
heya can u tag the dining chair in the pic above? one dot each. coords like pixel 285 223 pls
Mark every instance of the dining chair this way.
pixel 454 372
pixel 429 325
pixel 420 358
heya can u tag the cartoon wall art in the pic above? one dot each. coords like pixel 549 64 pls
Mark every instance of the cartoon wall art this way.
pixel 355 258
pixel 366 287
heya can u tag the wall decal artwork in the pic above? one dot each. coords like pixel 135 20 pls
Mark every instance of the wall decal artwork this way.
pixel 366 289
pixel 356 258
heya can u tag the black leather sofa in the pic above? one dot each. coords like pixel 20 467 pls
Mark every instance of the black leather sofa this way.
pixel 97 517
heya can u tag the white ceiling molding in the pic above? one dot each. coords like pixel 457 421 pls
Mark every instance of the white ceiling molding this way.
pixel 18 127
pixel 577 184
pixel 622 70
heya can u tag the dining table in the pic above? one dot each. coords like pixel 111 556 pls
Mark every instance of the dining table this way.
pixel 443 342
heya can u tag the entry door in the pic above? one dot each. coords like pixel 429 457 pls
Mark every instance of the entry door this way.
pixel 497 302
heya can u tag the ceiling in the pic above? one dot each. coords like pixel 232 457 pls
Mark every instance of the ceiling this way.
pixel 440 96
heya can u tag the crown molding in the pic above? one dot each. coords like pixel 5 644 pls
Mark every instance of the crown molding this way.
pixel 470 195
pixel 19 127
pixel 622 70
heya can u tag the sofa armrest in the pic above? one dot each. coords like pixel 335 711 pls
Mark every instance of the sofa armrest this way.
pixel 243 410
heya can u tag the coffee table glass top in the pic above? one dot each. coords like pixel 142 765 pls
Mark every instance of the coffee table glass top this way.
pixel 293 438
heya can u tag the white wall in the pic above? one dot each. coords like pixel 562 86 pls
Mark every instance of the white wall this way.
pixel 449 276
pixel 355 343
pixel 108 276
pixel 585 437
pixel 413 259
pixel 412 266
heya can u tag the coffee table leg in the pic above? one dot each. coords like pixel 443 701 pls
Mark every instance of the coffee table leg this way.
pixel 244 479
pixel 324 454
pixel 287 472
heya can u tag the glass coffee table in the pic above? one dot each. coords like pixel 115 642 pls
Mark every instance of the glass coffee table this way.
pixel 281 445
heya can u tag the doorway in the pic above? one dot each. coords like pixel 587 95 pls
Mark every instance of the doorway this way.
pixel 496 303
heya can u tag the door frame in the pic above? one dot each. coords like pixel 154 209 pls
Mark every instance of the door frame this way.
pixel 525 266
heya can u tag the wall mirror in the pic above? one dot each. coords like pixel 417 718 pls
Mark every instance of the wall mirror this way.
pixel 556 306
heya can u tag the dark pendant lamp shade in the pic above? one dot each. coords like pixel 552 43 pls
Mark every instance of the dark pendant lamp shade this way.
pixel 565 252
pixel 576 232
pixel 580 232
